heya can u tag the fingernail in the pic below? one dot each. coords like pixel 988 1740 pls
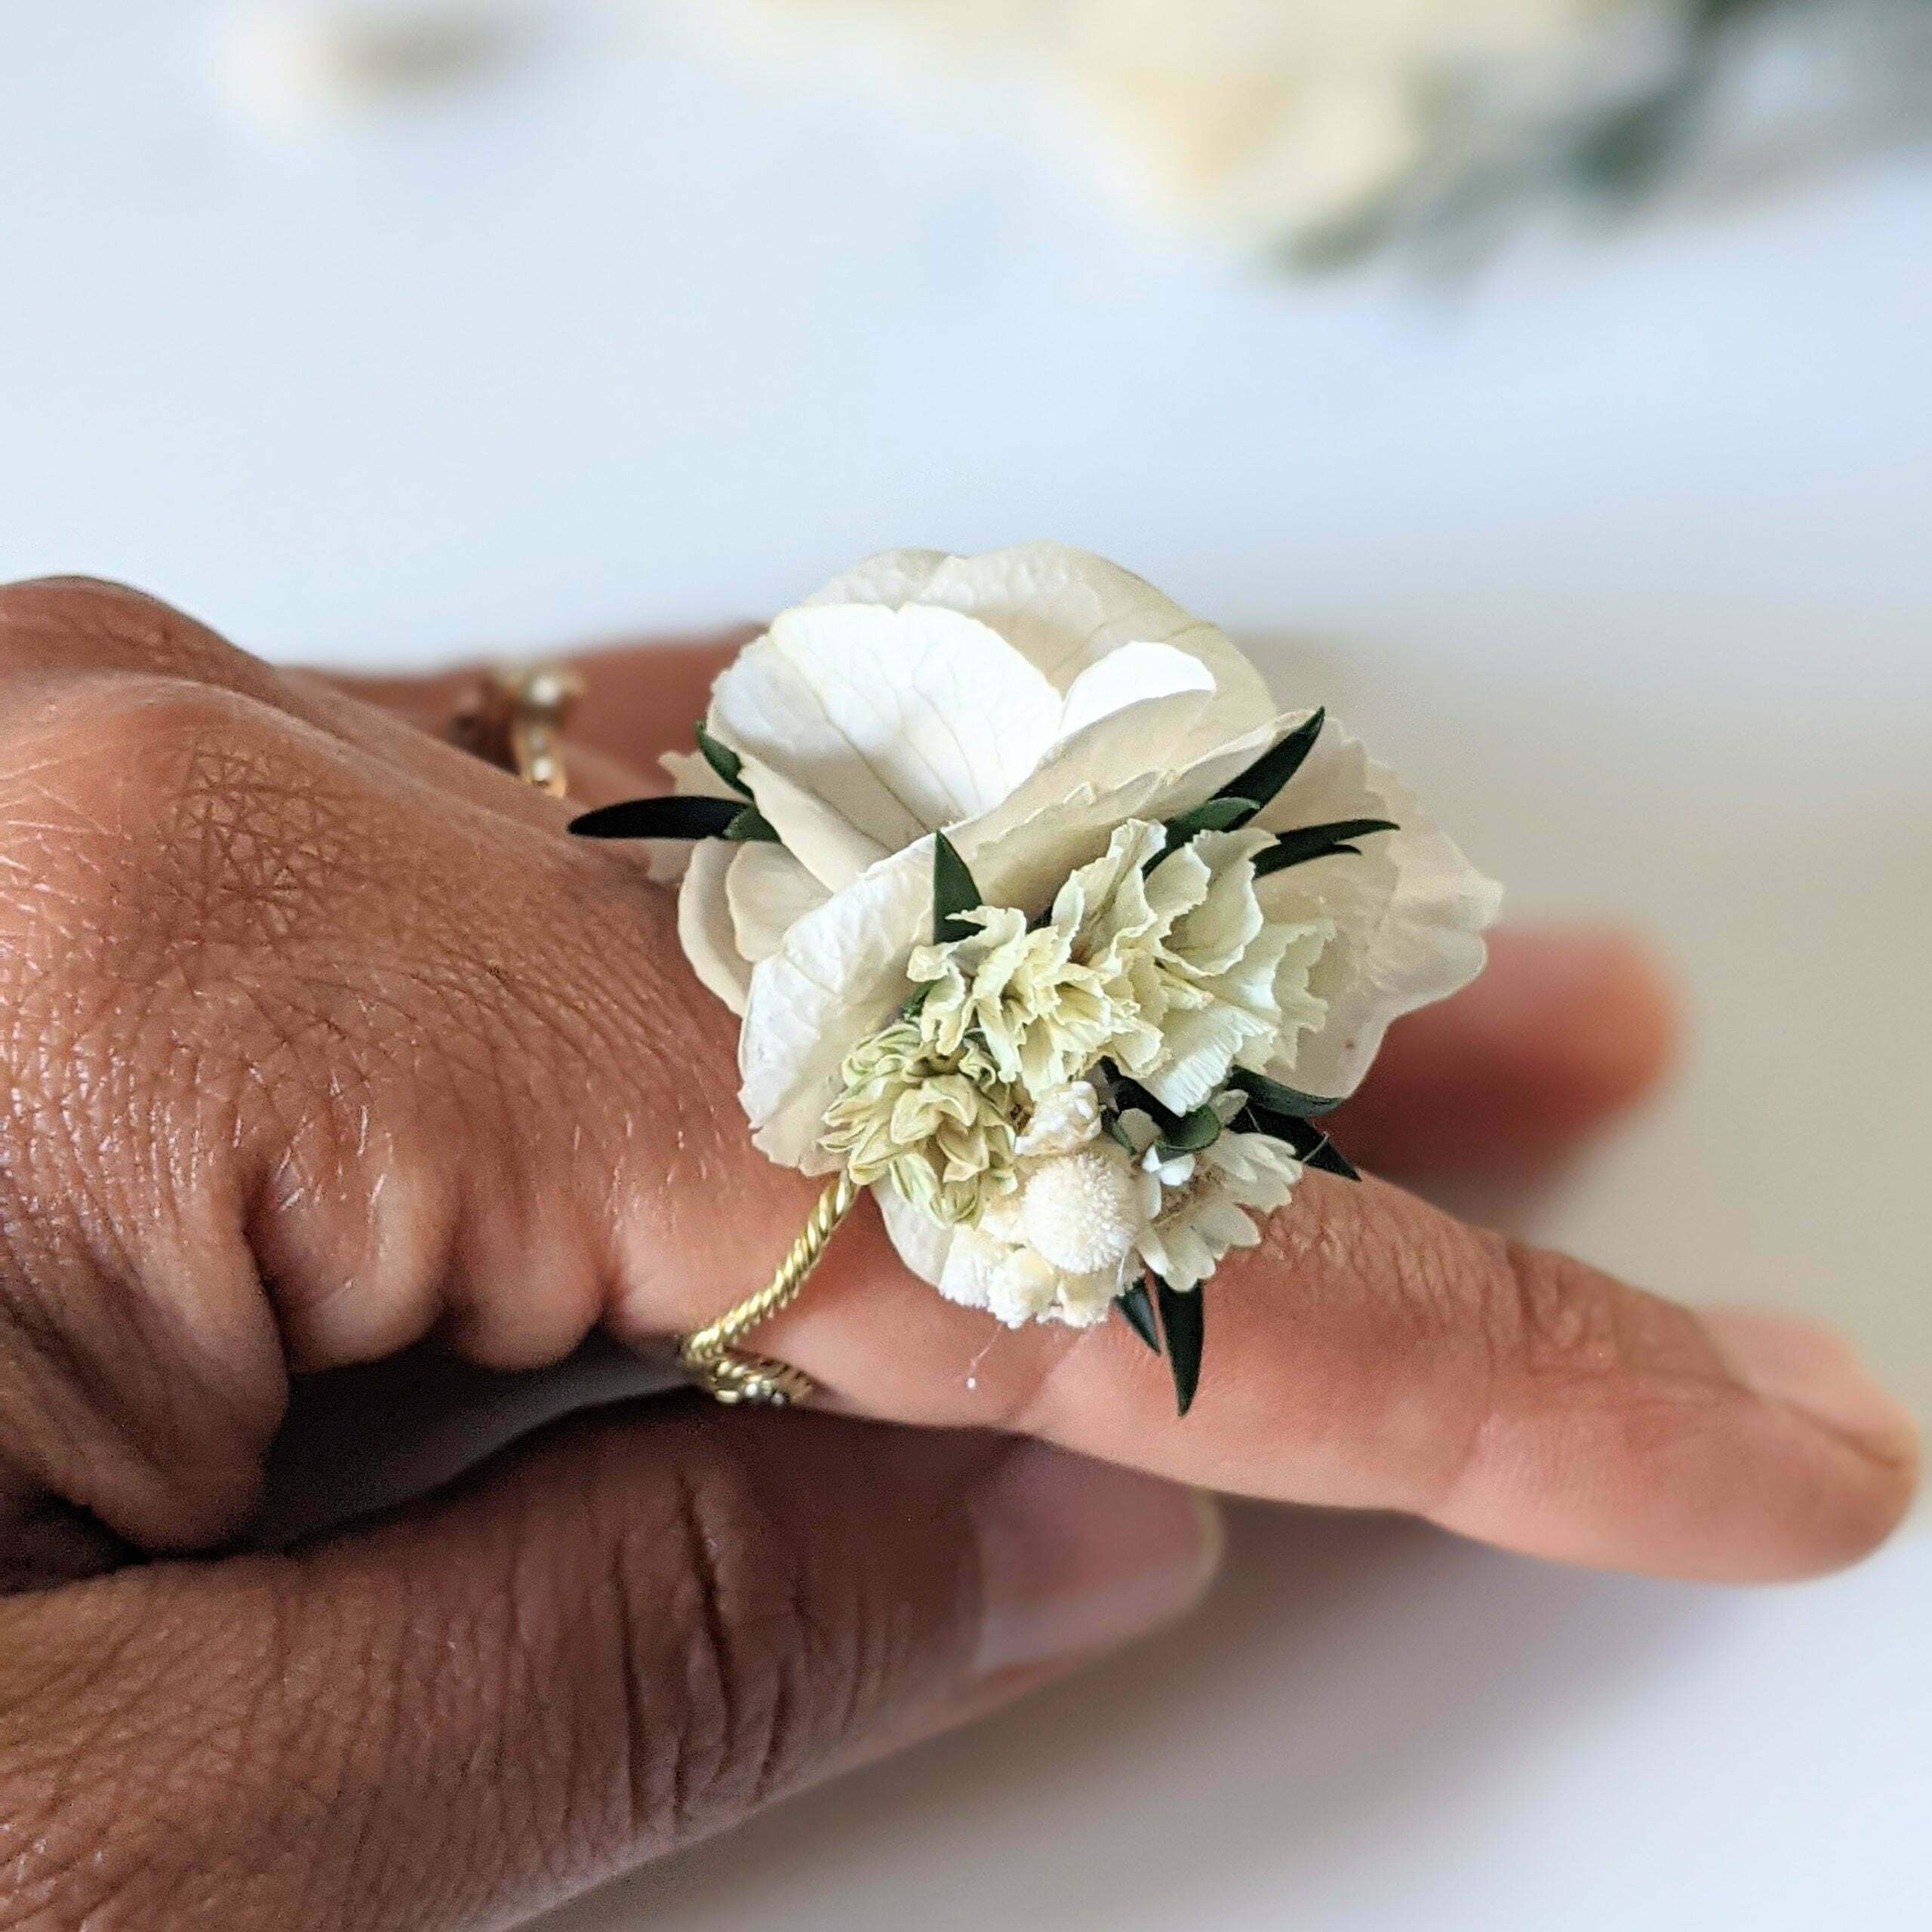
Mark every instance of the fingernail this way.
pixel 1811 1369
pixel 1078 1556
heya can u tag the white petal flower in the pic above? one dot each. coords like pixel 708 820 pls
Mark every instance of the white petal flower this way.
pixel 1049 713
pixel 1170 1170
pixel 1196 1225
pixel 938 1126
pixel 1012 1282
pixel 1044 1256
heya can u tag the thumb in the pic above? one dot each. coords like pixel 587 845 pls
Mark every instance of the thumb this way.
pixel 624 1635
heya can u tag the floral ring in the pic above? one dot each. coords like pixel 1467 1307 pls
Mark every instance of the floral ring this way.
pixel 1044 925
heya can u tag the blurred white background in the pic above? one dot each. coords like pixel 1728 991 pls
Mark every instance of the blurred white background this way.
pixel 1622 543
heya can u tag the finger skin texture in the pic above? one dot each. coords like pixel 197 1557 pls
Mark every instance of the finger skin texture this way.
pixel 612 1642
pixel 323 1036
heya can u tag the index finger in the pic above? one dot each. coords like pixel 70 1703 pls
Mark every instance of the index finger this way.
pixel 1375 1353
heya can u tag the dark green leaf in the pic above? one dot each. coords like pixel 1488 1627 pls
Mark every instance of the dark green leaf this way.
pixel 1277 1098
pixel 1192 1132
pixel 1136 1310
pixel 1215 814
pixel 1330 1160
pixel 750 826
pixel 1316 842
pixel 1182 1323
pixel 1312 1148
pixel 1130 1093
pixel 953 892
pixel 723 760
pixel 1273 769
pixel 660 818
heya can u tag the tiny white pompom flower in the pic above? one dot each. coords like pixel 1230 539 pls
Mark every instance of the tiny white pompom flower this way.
pixel 1082 1211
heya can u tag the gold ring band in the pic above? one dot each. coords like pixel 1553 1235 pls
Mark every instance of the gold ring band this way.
pixel 711 1356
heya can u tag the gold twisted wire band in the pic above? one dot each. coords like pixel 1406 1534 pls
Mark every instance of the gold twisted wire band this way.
pixel 711 1356
pixel 512 717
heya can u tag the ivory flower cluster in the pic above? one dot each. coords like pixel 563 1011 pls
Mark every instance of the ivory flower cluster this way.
pixel 1154 967
pixel 1044 924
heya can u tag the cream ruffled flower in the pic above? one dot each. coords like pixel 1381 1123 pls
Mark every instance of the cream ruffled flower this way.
pixel 1042 708
pixel 1043 1015
pixel 1189 950
pixel 1173 973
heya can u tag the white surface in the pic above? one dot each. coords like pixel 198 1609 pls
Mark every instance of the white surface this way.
pixel 1622 548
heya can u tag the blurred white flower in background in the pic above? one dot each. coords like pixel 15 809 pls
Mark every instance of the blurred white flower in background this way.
pixel 293 66
pixel 1290 118
pixel 1315 127
pixel 1322 126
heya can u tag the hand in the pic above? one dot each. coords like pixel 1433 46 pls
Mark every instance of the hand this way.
pixel 324 1039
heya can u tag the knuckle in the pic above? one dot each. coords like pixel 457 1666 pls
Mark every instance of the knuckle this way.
pixel 732 1633
pixel 146 815
pixel 1375 1254
pixel 1559 1319
pixel 77 624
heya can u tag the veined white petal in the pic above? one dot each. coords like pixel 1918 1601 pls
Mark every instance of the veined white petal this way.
pixel 1409 911
pixel 888 577
pixel 1023 851
pixel 923 1245
pixel 1134 672
pixel 839 975
pixel 1025 863
pixel 769 892
pixel 691 777
pixel 1127 750
pixel 1065 609
pixel 704 923
pixel 832 849
pixel 902 720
